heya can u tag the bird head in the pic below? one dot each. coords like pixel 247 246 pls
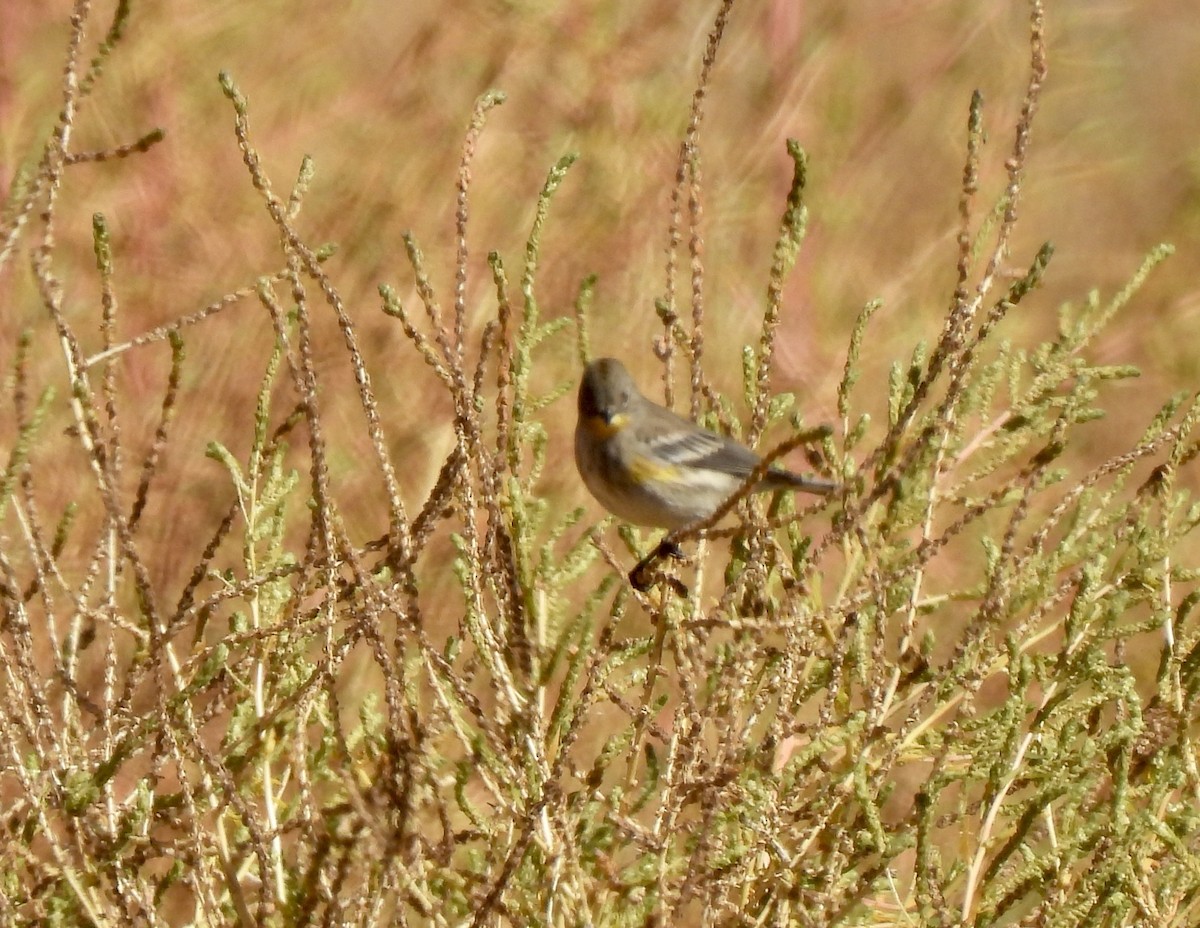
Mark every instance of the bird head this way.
pixel 606 394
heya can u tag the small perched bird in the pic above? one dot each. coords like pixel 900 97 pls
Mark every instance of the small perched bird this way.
pixel 648 466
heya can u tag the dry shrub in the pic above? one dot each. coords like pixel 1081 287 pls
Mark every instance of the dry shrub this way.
pixel 914 703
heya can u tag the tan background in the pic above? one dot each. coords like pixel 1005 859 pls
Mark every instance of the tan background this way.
pixel 379 93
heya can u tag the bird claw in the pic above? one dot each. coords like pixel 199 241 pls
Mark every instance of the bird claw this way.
pixel 641 578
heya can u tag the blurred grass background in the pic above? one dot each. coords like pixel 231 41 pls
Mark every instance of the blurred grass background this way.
pixel 380 94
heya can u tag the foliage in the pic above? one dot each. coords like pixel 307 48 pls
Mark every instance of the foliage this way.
pixel 915 703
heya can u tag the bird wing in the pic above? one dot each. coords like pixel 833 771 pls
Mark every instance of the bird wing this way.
pixel 690 446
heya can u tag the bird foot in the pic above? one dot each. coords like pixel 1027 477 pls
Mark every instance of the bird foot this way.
pixel 641 578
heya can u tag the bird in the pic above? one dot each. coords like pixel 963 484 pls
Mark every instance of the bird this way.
pixel 647 465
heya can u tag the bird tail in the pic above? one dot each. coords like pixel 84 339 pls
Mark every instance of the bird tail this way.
pixel 779 479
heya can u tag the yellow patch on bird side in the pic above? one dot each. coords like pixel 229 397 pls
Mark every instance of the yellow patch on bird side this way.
pixel 645 470
pixel 599 427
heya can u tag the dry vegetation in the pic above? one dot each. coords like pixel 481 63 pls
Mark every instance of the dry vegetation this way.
pixel 303 621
